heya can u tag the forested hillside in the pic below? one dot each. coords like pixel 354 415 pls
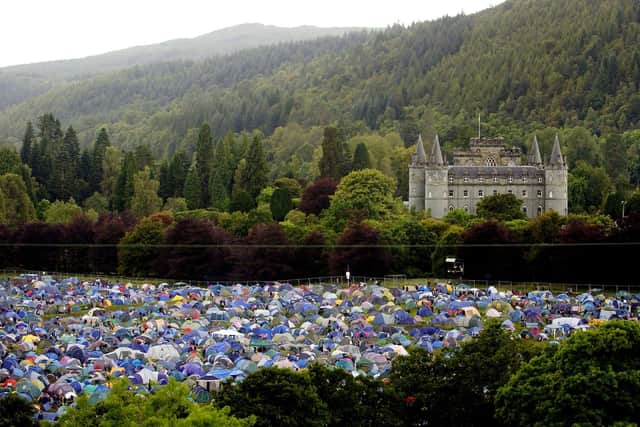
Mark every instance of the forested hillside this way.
pixel 21 82
pixel 531 63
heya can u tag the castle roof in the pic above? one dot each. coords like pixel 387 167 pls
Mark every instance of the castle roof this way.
pixel 498 171
pixel 436 153
pixel 534 155
pixel 420 155
pixel 556 154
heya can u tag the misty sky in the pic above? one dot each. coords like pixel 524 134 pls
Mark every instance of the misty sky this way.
pixel 42 30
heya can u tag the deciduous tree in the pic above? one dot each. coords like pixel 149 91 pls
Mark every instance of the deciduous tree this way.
pixel 145 199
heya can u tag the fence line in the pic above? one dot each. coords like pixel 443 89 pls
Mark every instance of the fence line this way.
pixel 503 285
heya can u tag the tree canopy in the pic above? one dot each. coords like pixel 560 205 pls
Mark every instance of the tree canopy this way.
pixel 592 378
pixel 169 405
pixel 501 207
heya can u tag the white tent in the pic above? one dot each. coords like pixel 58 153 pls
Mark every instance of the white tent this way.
pixel 165 352
pixel 493 313
pixel 124 353
pixel 147 375
pixel 227 333
pixel 571 321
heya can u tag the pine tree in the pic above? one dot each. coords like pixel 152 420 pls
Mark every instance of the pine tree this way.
pixel 225 162
pixel 143 156
pixel 361 159
pixel 85 167
pixel 178 170
pixel 192 189
pixel 204 153
pixel 219 194
pixel 124 184
pixel 50 138
pixel 280 204
pixel 99 149
pixel 63 183
pixel 166 185
pixel 255 174
pixel 27 144
pixel 222 176
pixel 331 161
pixel 25 174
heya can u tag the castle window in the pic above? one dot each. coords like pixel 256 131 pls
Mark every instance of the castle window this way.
pixel 429 194
pixel 495 192
pixel 539 193
pixel 450 193
pixel 480 193
pixel 510 191
pixel 524 193
pixel 466 193
pixel 539 180
pixel 524 179
pixel 551 194
pixel 510 179
pixel 466 179
pixel 540 210
pixel 451 179
pixel 524 209
pixel 491 162
pixel 495 179
pixel 450 208
pixel 466 208
pixel 480 179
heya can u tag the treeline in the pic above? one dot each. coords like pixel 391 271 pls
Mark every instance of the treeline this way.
pixel 603 170
pixel 357 224
pixel 248 215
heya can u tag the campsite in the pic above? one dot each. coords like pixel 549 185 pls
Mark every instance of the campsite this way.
pixel 60 339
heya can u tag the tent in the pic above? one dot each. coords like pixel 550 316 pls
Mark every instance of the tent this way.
pixel 165 352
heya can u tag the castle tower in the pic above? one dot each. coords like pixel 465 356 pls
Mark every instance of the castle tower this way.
pixel 535 159
pixel 417 177
pixel 556 181
pixel 437 184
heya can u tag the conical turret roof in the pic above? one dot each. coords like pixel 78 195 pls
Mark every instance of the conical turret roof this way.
pixel 421 155
pixel 556 154
pixel 436 153
pixel 534 155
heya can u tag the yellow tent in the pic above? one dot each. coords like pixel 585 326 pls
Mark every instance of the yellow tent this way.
pixel 176 299
pixel 32 339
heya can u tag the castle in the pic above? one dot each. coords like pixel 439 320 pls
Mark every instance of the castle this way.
pixel 487 168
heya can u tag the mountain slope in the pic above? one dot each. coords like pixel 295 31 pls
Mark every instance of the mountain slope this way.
pixel 527 63
pixel 21 82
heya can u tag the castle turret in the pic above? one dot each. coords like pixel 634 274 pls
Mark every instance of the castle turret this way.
pixel 556 177
pixel 437 184
pixel 417 176
pixel 535 159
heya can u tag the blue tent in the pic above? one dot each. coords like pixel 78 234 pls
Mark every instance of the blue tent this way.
pixel 425 311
